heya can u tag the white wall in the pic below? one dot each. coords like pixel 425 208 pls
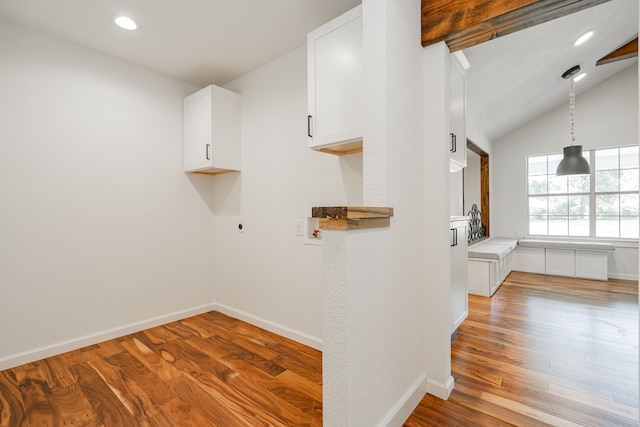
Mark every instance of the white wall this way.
pixel 100 230
pixel 266 274
pixel 471 181
pixel 456 193
pixel 606 115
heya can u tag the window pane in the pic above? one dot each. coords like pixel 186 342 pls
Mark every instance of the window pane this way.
pixel 606 181
pixel 538 184
pixel 538 225
pixel 558 205
pixel 558 226
pixel 578 226
pixel 607 227
pixel 629 204
pixel 557 184
pixel 579 205
pixel 607 159
pixel 553 162
pixel 629 157
pixel 608 204
pixel 629 227
pixel 537 165
pixel 537 206
pixel 579 184
pixel 629 180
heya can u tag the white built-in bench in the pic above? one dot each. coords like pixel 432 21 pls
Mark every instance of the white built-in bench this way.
pixel 488 264
pixel 572 258
pixel 490 261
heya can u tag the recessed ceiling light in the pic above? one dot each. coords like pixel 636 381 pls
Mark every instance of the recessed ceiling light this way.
pixel 583 38
pixel 579 77
pixel 125 22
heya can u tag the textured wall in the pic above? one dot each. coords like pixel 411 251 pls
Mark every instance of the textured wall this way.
pixel 379 284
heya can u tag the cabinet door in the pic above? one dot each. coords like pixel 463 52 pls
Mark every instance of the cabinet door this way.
pixel 459 293
pixel 335 81
pixel 592 264
pixel 560 262
pixel 530 260
pixel 197 130
pixel 458 137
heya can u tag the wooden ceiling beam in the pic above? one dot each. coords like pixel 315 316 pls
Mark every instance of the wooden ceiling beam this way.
pixel 629 50
pixel 465 23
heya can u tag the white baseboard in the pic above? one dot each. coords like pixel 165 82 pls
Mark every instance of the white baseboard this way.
pixel 284 331
pixel 623 276
pixel 18 359
pixel 406 405
pixel 438 389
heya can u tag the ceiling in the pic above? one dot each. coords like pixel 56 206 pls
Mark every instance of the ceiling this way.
pixel 518 77
pixel 512 79
pixel 198 41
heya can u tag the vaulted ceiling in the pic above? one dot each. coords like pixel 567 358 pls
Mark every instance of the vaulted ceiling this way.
pixel 516 78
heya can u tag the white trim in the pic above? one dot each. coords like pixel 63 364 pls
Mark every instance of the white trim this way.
pixel 284 331
pixel 407 404
pixel 439 389
pixel 623 276
pixel 618 243
pixel 18 359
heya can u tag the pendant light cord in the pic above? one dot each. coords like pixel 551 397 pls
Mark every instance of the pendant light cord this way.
pixel 572 111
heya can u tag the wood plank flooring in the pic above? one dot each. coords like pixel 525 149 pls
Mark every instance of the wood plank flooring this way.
pixel 542 351
pixel 207 370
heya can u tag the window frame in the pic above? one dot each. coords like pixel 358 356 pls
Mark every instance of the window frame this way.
pixel 591 194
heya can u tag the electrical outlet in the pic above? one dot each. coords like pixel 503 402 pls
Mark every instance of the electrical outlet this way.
pixel 298 227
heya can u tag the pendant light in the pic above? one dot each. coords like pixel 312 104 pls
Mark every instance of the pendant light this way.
pixel 573 163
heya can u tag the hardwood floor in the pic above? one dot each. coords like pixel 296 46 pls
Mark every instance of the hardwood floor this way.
pixel 207 370
pixel 544 351
pixel 541 351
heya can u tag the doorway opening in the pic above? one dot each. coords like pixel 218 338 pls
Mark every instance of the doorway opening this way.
pixel 475 180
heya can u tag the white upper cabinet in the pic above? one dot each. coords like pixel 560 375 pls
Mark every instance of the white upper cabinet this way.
pixel 334 60
pixel 212 131
pixel 457 135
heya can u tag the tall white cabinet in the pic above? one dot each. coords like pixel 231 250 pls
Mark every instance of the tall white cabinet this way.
pixel 212 131
pixel 334 70
pixel 458 135
pixel 459 287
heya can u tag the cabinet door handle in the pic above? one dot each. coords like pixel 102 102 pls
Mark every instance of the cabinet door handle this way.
pixel 454 143
pixel 309 127
pixel 454 237
pixel 206 151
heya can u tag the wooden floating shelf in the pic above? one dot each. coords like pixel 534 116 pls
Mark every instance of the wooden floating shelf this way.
pixel 352 217
pixel 342 149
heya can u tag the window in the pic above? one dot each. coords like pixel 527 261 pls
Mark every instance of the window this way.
pixel 604 204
